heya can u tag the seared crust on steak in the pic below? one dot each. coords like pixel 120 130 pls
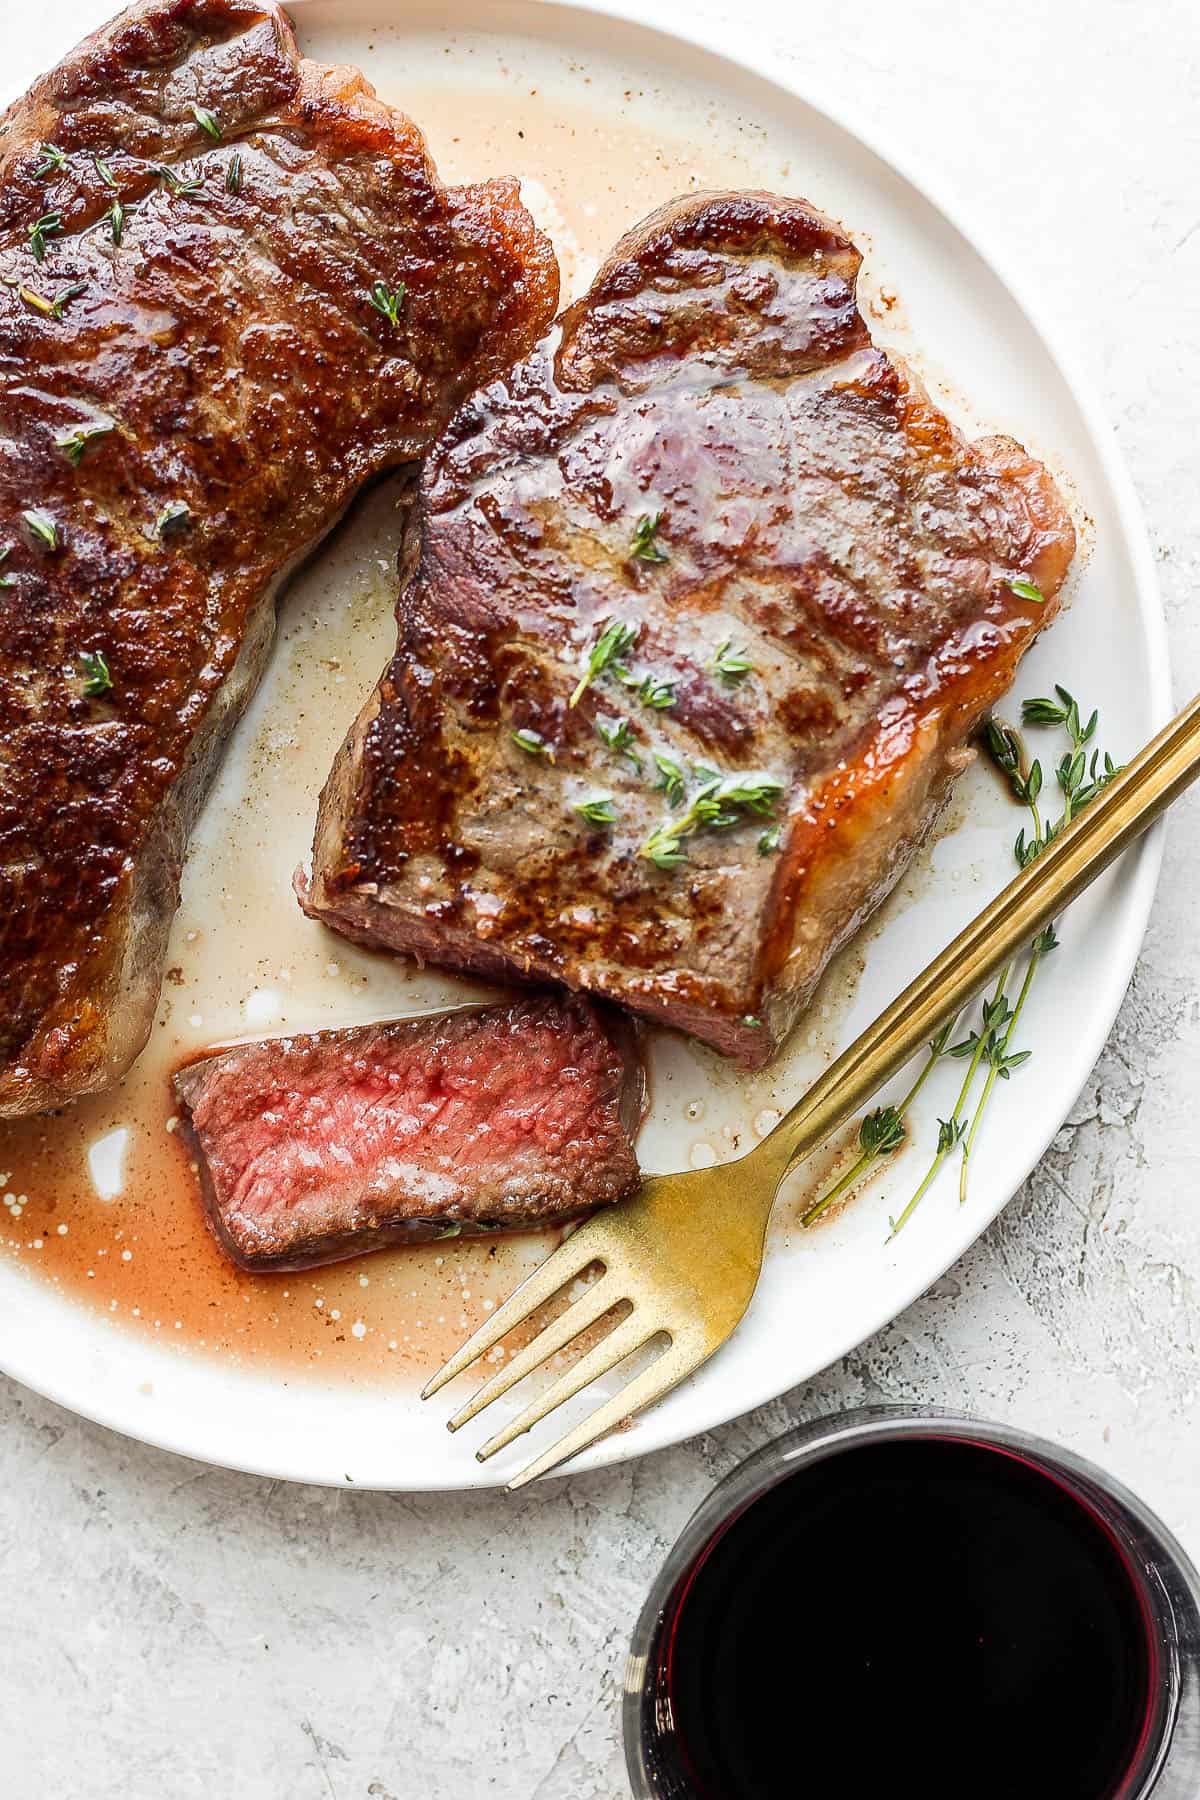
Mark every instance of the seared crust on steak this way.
pixel 820 519
pixel 213 326
pixel 324 1145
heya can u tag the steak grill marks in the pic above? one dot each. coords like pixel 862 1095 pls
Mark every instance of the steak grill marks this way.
pixel 708 457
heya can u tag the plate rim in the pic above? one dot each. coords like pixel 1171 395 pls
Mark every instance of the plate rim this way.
pixel 1142 865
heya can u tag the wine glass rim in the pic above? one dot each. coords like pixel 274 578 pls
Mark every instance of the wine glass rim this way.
pixel 835 1433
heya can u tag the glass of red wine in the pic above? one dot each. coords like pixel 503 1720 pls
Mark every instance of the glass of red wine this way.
pixel 905 1601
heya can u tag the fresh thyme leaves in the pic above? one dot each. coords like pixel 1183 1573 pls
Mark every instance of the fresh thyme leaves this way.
pixel 64 297
pixel 665 852
pixel 233 174
pixel 53 161
pixel 1063 711
pixel 719 803
pixel 206 121
pixel 173 517
pixel 73 443
pixel 605 657
pixel 598 811
pixel 1079 779
pixel 618 735
pixel 531 742
pixel 6 580
pixel 97 679
pixel 388 301
pixel 42 527
pixel 175 184
pixel 768 842
pixel 950 1132
pixel 674 781
pixel 57 305
pixel 613 642
pixel 645 546
pixel 658 695
pixel 104 172
pixel 1028 590
pixel 116 221
pixel 47 226
pixel 731 665
pixel 881 1132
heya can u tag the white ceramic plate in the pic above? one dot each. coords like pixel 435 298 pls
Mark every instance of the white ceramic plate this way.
pixel 603 117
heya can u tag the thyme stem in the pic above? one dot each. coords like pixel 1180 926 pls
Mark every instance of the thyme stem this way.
pixel 950 1134
pixel 868 1157
pixel 995 1068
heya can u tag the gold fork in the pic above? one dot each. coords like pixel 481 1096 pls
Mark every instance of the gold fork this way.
pixel 680 1260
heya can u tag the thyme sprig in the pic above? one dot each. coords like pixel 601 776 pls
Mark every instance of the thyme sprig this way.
pixel 731 665
pixel 532 742
pixel 386 300
pixel 53 162
pixel 613 642
pixel 644 546
pixel 1079 776
pixel 97 677
pixel 73 442
pixel 56 306
pixel 207 121
pixel 881 1132
pixel 1079 780
pixel 673 780
pixel 598 811
pixel 47 226
pixel 618 735
pixel 42 527
pixel 719 803
pixel 657 695
pixel 176 185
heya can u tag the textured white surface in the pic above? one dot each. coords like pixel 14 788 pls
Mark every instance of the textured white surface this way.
pixel 170 1629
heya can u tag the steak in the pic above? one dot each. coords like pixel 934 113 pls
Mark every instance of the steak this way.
pixel 315 1148
pixel 706 600
pixel 232 288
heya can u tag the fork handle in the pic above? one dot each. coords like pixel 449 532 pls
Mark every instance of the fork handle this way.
pixel 1119 814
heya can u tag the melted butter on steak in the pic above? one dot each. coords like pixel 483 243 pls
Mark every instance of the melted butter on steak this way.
pixel 815 510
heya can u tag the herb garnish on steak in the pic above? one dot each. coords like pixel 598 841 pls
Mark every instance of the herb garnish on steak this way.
pixel 232 288
pixel 708 486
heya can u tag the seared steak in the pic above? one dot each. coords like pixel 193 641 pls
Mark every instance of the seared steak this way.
pixel 233 289
pixel 315 1148
pixel 707 599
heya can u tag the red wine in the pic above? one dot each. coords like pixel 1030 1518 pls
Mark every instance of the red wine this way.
pixel 916 1616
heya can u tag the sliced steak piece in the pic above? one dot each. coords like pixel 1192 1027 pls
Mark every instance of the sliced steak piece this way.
pixel 316 1148
pixel 197 370
pixel 804 579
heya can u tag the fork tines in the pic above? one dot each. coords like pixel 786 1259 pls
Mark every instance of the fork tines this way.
pixel 632 1329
